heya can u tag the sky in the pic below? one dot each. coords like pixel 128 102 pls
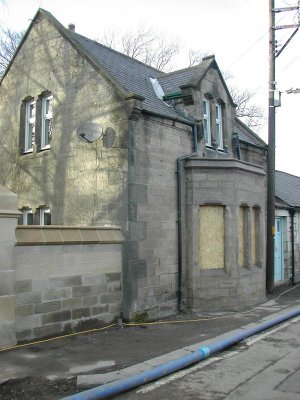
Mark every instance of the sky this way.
pixel 235 31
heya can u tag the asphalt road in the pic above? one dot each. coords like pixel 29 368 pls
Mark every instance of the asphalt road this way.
pixel 264 367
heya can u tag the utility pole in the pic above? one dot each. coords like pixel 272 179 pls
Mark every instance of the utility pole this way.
pixel 273 53
pixel 271 155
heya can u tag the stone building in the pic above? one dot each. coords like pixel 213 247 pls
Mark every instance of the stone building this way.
pixel 287 222
pixel 90 136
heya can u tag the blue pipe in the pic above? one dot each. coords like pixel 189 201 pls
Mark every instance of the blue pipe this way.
pixel 123 385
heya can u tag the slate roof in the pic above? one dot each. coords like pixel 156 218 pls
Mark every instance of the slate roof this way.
pixel 246 135
pixel 130 75
pixel 287 188
pixel 172 81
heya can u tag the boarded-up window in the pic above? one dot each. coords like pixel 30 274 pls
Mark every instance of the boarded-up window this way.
pixel 255 239
pixel 211 237
pixel 253 235
pixel 242 236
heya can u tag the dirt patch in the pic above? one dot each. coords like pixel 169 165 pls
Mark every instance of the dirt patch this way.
pixel 37 388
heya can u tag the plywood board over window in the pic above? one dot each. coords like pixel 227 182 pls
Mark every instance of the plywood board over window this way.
pixel 242 236
pixel 254 235
pixel 211 237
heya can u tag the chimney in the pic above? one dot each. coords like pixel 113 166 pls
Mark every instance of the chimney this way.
pixel 71 27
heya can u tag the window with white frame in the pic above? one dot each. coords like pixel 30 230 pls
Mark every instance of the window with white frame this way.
pixel 46 131
pixel 45 216
pixel 219 128
pixel 206 122
pixel 29 125
pixel 27 216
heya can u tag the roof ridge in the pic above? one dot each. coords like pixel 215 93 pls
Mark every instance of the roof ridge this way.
pixel 167 74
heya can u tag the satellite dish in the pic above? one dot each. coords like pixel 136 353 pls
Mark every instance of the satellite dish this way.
pixel 89 132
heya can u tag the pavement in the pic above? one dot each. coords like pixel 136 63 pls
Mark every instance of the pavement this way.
pixel 119 351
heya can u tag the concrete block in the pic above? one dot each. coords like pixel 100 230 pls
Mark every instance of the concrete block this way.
pixel 75 280
pixel 47 330
pixel 115 308
pixel 70 304
pixel 24 286
pixel 47 307
pixel 26 334
pixel 84 291
pixel 81 313
pixel 112 297
pixel 93 279
pixel 58 316
pixel 57 294
pixel 100 309
pixel 89 301
pixel 29 322
pixel 113 277
pixel 28 298
pixel 24 310
pixel 114 286
pixel 54 283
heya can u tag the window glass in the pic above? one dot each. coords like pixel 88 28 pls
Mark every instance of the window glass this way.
pixel 47 105
pixel 219 128
pixel 27 216
pixel 206 122
pixel 29 125
pixel 45 216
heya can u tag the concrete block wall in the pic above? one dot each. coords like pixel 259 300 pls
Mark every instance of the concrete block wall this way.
pixel 64 285
pixel 228 183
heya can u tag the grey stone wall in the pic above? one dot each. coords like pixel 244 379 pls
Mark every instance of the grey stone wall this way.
pixel 82 183
pixel 151 259
pixel 230 184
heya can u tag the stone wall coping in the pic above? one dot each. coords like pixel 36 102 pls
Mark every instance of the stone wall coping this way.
pixel 58 234
pixel 9 213
pixel 227 163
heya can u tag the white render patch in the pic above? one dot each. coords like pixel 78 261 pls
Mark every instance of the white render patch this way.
pixel 92 367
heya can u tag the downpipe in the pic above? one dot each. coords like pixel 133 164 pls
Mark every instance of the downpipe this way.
pixel 179 215
pixel 123 385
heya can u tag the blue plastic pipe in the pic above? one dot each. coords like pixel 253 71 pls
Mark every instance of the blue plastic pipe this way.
pixel 123 385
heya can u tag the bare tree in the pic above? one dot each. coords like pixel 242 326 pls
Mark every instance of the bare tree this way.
pixel 252 115
pixel 144 45
pixel 9 41
pixel 152 49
